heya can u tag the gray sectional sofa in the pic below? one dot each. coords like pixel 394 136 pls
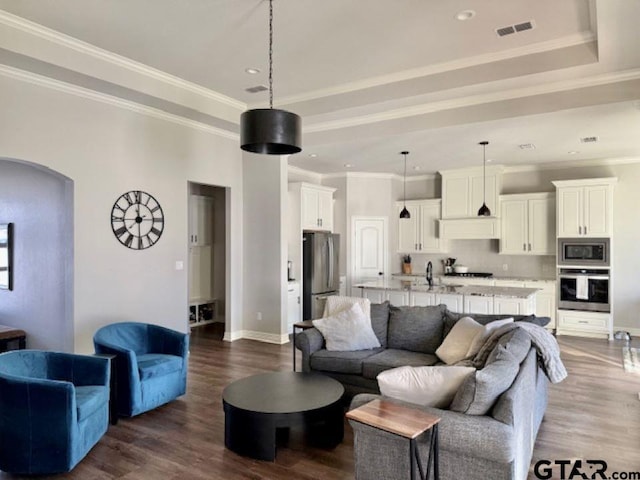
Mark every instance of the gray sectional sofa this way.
pixel 497 444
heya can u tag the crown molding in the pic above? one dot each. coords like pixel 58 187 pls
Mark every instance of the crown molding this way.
pixel 565 42
pixel 600 162
pixel 46 82
pixel 371 175
pixel 26 37
pixel 306 173
pixel 472 100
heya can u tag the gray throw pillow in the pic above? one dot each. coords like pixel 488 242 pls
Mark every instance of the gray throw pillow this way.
pixel 517 342
pixel 417 329
pixel 479 392
pixel 380 321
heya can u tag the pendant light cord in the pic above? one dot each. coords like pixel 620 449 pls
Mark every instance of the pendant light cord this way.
pixel 404 194
pixel 271 54
pixel 484 174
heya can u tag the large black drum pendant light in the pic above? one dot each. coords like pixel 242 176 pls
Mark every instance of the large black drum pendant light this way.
pixel 484 210
pixel 405 213
pixel 269 130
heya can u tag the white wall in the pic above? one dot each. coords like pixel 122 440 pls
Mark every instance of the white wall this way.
pixel 107 150
pixel 39 203
pixel 265 246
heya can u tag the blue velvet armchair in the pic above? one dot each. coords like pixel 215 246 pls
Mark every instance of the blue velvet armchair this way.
pixel 151 364
pixel 54 407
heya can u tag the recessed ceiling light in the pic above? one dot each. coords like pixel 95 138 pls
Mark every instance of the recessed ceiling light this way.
pixel 465 15
pixel 489 160
pixel 347 165
pixel 313 155
pixel 573 152
pixel 252 71
pixel 417 167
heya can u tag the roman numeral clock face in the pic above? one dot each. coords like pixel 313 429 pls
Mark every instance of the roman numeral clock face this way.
pixel 137 220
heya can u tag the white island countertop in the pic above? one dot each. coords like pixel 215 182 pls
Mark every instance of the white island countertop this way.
pixel 421 286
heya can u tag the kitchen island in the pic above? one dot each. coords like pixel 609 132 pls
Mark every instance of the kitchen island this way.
pixel 457 298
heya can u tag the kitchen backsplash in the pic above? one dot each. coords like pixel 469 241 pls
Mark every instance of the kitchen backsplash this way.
pixel 482 256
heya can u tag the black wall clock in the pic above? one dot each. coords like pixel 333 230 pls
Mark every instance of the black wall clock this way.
pixel 137 220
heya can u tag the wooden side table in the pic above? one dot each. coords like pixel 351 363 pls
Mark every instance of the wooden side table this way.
pixel 11 334
pixel 302 326
pixel 405 422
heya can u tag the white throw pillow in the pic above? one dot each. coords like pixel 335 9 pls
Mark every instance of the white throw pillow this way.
pixel 484 335
pixel 348 330
pixel 429 386
pixel 456 345
pixel 336 304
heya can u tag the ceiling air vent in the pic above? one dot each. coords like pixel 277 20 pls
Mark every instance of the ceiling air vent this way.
pixel 589 139
pixel 517 28
pixel 256 89
pixel 527 146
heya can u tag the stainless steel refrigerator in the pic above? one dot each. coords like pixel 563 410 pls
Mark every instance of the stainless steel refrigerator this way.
pixel 320 271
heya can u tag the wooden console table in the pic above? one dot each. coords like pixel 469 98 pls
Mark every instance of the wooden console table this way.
pixel 409 423
pixel 11 334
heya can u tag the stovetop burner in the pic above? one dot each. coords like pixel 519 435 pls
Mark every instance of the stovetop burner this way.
pixel 470 274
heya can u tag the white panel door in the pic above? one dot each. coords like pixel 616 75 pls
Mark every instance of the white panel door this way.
pixel 428 241
pixel 510 306
pixel 455 202
pixel 542 226
pixel 369 247
pixel 570 219
pixel 513 237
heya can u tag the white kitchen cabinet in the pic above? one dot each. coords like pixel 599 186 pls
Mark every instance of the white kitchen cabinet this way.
pixel 200 274
pixel 454 303
pixel 585 207
pixel 294 313
pixel 545 300
pixel 200 220
pixel 478 304
pixel 463 191
pixel 316 205
pixel 397 299
pixel 374 295
pixel 513 306
pixel 419 234
pixel 422 299
pixel 464 281
pixel 585 324
pixel 528 224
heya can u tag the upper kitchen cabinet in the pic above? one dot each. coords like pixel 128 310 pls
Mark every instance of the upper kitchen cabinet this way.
pixel 419 234
pixel 585 207
pixel 200 220
pixel 316 205
pixel 528 224
pixel 463 191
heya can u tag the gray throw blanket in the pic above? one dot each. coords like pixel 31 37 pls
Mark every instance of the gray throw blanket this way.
pixel 545 344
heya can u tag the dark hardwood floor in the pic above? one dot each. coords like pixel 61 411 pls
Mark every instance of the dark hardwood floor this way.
pixel 594 414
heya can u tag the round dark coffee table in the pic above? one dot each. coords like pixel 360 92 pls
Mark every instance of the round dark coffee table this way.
pixel 257 406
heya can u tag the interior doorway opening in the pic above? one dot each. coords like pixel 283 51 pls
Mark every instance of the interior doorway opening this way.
pixel 207 240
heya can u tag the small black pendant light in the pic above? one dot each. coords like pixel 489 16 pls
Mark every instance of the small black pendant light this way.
pixel 484 210
pixel 405 213
pixel 269 130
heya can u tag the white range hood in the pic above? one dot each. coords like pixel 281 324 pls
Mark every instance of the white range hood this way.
pixel 471 228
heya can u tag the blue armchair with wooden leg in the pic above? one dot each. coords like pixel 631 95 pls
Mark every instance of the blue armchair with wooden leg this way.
pixel 151 364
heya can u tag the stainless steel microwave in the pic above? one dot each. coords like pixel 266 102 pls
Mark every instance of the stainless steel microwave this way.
pixel 584 252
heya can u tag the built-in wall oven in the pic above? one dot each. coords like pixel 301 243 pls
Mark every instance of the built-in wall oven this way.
pixel 584 289
pixel 584 252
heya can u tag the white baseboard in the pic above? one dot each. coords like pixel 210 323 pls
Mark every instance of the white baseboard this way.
pixel 278 339
pixel 634 332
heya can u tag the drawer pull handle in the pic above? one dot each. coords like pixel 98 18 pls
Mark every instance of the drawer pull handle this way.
pixel 582 321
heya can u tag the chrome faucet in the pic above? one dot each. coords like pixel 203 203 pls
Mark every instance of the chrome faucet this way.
pixel 430 274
